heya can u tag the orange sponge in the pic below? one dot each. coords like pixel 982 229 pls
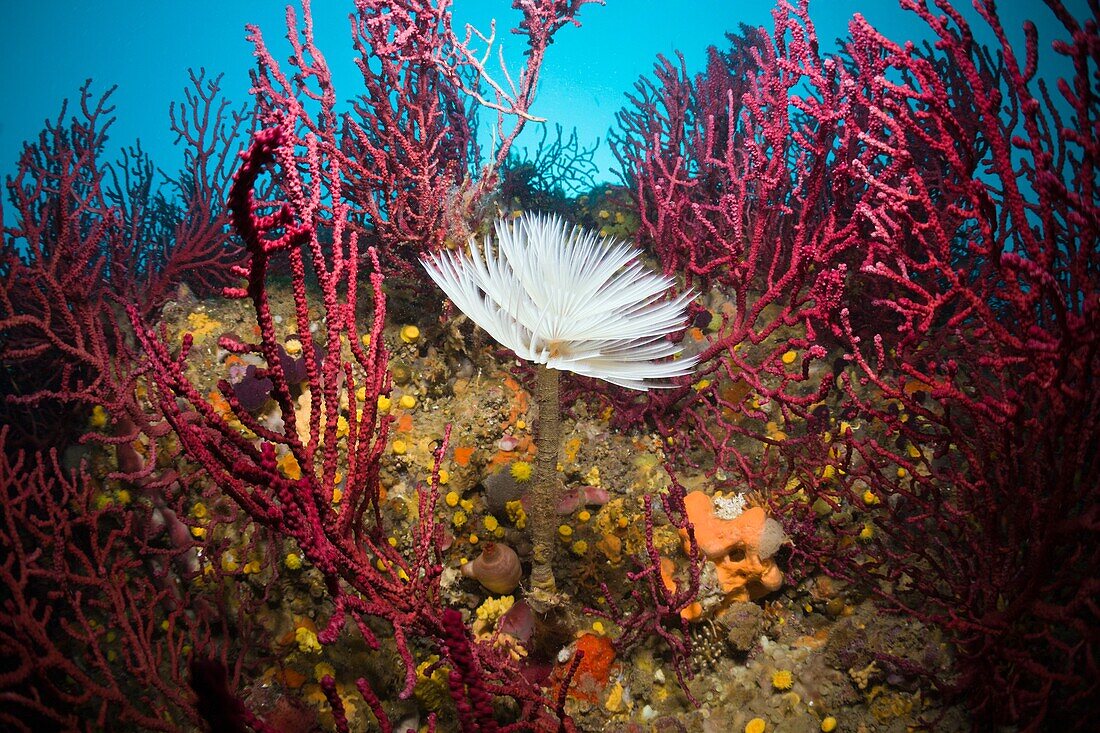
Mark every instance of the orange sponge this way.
pixel 742 550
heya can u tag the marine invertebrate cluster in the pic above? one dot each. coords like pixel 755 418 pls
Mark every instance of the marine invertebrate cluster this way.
pixel 76 240
pixel 565 300
pixel 979 369
pixel 701 154
pixel 951 310
pixel 301 498
pixel 897 249
pixel 117 659
pixel 80 234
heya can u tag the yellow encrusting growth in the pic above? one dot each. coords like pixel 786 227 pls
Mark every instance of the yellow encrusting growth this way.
pixel 616 702
pixel 200 325
pixel 307 641
pixel 516 513
pixel 98 418
pixel 288 466
pixel 409 334
pixel 493 608
pixel 431 691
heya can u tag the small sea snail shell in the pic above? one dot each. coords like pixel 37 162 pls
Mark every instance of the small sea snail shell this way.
pixel 497 568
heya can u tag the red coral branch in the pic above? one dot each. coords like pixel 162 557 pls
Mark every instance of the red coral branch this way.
pixel 930 216
pixel 90 632
pixel 408 149
pixel 366 577
pixel 979 409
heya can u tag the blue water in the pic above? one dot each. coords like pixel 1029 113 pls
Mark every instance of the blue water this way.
pixel 49 49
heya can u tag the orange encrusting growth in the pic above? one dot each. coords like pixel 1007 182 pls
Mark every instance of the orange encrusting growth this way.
pixel 593 672
pixel 519 403
pixel 733 546
pixel 463 454
pixel 524 451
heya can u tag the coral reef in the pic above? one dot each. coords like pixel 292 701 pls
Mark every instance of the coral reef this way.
pixel 252 477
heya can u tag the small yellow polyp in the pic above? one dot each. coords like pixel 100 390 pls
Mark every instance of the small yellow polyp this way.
pixel 756 725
